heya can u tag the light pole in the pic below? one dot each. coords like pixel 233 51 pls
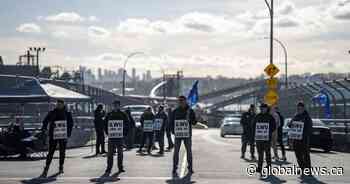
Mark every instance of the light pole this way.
pixel 37 50
pixel 270 7
pixel 124 69
pixel 285 59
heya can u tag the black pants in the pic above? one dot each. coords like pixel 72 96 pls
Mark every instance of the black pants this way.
pixel 263 147
pixel 302 153
pixel 100 142
pixel 130 139
pixel 160 140
pixel 145 136
pixel 246 140
pixel 280 142
pixel 52 147
pixel 188 146
pixel 112 145
pixel 170 140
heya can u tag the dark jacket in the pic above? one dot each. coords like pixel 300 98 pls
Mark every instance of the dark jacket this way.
pixel 280 128
pixel 57 115
pixel 131 121
pixel 162 115
pixel 305 118
pixel 247 122
pixel 265 118
pixel 181 114
pixel 118 115
pixel 99 121
pixel 146 116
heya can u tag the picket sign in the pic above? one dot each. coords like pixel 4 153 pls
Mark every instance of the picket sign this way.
pixel 296 130
pixel 60 130
pixel 115 129
pixel 262 131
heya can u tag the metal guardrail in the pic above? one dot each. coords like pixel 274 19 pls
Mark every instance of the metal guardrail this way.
pixel 338 126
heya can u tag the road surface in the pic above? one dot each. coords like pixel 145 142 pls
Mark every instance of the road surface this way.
pixel 216 160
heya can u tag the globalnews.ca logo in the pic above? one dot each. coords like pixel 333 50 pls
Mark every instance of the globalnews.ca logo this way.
pixel 295 171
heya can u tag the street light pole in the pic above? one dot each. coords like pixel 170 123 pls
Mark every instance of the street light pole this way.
pixel 37 50
pixel 124 69
pixel 285 59
pixel 270 7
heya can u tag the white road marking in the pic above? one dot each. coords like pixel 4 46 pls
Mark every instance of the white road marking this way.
pixel 183 165
pixel 84 178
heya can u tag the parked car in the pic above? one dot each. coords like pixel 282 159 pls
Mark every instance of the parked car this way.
pixel 321 137
pixel 231 126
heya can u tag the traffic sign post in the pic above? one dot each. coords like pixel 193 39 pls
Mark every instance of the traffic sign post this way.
pixel 272 83
pixel 271 97
pixel 271 70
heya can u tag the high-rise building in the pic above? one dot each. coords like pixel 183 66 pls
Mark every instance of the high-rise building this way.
pixel 133 74
pixel 148 75
pixel 99 74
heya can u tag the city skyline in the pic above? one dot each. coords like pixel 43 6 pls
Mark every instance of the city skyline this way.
pixel 199 37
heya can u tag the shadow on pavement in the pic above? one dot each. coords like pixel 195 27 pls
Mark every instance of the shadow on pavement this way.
pixel 184 180
pixel 279 162
pixel 93 156
pixel 105 179
pixel 273 180
pixel 21 159
pixel 311 180
pixel 321 151
pixel 39 180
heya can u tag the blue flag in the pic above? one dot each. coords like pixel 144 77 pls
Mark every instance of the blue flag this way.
pixel 192 97
pixel 323 99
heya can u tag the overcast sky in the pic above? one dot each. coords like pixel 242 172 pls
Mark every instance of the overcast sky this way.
pixel 200 37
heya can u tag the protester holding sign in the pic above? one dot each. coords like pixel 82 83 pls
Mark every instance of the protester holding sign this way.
pixel 160 121
pixel 300 131
pixel 264 125
pixel 60 124
pixel 182 119
pixel 116 127
pixel 147 124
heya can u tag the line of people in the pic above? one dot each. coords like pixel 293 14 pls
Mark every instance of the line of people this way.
pixel 119 126
pixel 265 131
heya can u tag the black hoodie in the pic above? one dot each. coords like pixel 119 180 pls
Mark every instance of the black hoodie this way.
pixel 57 115
pixel 305 118
pixel 181 114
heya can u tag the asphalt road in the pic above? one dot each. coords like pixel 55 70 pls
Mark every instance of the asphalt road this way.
pixel 216 160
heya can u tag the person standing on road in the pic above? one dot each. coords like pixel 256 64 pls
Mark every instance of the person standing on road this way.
pixel 182 119
pixel 159 127
pixel 274 137
pixel 280 134
pixel 264 125
pixel 116 127
pixel 132 127
pixel 60 124
pixel 147 124
pixel 247 122
pixel 300 131
pixel 99 128
pixel 168 130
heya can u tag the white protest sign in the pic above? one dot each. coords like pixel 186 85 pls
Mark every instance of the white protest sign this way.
pixel 148 125
pixel 115 129
pixel 182 129
pixel 158 124
pixel 296 130
pixel 60 130
pixel 262 131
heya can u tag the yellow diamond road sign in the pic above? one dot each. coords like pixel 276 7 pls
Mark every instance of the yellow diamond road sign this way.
pixel 272 83
pixel 271 97
pixel 271 70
